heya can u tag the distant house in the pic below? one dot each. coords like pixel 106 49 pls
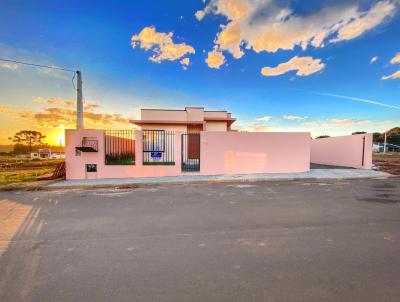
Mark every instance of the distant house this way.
pixel 47 153
pixel 56 155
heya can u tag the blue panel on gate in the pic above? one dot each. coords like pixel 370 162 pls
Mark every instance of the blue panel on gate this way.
pixel 155 154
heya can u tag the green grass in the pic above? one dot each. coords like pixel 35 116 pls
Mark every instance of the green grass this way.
pixel 154 163
pixel 27 162
pixel 25 175
pixel 394 154
pixel 18 170
pixel 121 160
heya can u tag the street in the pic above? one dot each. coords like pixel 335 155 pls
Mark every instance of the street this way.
pixel 263 241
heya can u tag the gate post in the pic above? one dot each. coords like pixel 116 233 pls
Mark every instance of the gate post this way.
pixel 178 151
pixel 139 148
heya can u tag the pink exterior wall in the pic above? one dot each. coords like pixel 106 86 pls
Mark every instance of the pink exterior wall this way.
pixel 76 169
pixel 182 128
pixel 221 153
pixel 254 152
pixel 216 114
pixel 194 114
pixel 162 115
pixel 346 151
pixel 216 126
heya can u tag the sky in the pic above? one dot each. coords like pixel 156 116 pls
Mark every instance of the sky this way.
pixel 327 67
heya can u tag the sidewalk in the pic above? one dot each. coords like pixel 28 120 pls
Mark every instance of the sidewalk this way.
pixel 313 174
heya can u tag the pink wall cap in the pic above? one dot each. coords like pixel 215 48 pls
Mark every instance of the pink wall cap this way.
pixel 164 122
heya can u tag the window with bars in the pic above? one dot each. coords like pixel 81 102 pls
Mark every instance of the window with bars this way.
pixel 158 147
pixel 119 147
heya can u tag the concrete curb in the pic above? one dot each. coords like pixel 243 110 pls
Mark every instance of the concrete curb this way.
pixel 127 185
pixel 216 179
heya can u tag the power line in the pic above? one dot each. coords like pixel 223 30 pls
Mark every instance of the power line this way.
pixel 37 65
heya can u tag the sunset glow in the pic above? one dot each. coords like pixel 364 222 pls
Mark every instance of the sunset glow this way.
pixel 318 63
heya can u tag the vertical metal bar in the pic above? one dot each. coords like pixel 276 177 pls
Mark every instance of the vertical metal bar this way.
pixel 143 144
pixel 363 151
pixel 182 164
pixel 199 151
pixel 168 142
pixel 172 136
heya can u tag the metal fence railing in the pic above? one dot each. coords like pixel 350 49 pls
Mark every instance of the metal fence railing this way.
pixel 119 147
pixel 158 147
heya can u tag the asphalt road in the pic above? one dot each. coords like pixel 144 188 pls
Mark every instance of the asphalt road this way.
pixel 299 241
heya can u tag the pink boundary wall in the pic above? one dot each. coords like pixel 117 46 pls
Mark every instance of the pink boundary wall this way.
pixel 75 165
pixel 254 152
pixel 346 151
pixel 221 153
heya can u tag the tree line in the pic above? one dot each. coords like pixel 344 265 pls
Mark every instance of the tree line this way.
pixel 26 141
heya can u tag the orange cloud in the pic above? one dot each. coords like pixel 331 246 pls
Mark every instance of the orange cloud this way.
pixel 215 59
pixel 161 44
pixel 393 76
pixel 5 108
pixel 395 59
pixel 62 114
pixel 267 25
pixel 303 66
pixel 185 62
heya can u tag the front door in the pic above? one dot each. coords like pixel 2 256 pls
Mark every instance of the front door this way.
pixel 190 152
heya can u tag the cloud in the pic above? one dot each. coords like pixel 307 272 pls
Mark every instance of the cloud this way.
pixel 294 117
pixel 264 118
pixel 11 66
pixel 4 108
pixel 62 114
pixel 393 76
pixel 199 15
pixel 365 21
pixel 348 122
pixel 396 59
pixel 215 59
pixel 304 66
pixel 357 99
pixel 334 122
pixel 254 128
pixel 267 25
pixel 185 63
pixel 161 44
pixel 54 101
pixel 66 103
pixel 373 59
pixel 230 39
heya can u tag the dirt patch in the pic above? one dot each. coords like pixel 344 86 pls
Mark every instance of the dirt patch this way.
pixel 389 162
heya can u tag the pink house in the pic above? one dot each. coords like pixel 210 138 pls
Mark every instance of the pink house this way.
pixel 199 142
pixel 191 119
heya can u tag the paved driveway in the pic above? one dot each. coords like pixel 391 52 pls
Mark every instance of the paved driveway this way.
pixel 299 241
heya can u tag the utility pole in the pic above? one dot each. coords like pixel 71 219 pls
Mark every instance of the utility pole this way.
pixel 79 97
pixel 79 101
pixel 384 144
